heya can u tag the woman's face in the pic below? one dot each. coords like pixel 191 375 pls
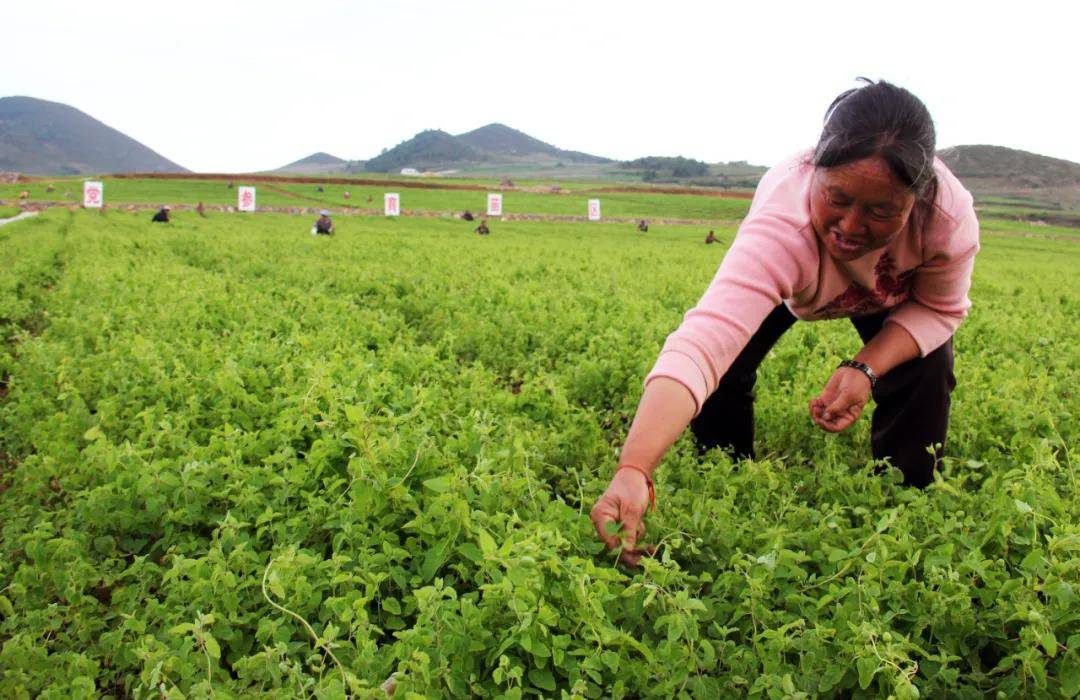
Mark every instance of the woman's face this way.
pixel 858 208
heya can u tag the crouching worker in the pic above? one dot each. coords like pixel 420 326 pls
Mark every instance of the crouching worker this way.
pixel 162 216
pixel 324 225
pixel 483 229
pixel 868 225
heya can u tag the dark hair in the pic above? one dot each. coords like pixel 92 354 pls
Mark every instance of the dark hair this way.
pixel 881 119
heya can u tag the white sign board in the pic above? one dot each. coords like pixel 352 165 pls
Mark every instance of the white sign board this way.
pixel 93 194
pixel 494 205
pixel 392 204
pixel 245 198
pixel 594 210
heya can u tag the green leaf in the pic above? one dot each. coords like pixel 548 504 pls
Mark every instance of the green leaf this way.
pixel 470 551
pixel 433 561
pixel 1034 561
pixel 539 649
pixel 391 605
pixel 487 543
pixel 1049 643
pixel 904 690
pixel 1069 674
pixel 275 585
pixel 94 434
pixel 867 667
pixel 1022 507
pixel 212 647
pixel 439 484
pixel 542 678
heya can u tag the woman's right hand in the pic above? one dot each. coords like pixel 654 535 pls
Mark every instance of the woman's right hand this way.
pixel 624 503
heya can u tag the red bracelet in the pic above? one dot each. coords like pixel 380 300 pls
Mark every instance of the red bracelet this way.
pixel 648 480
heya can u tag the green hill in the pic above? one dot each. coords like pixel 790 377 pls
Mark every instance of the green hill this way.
pixel 491 145
pixel 1013 182
pixel 1015 167
pixel 429 149
pixel 319 163
pixel 500 139
pixel 49 138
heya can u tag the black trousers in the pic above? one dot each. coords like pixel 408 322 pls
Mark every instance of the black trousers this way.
pixel 912 412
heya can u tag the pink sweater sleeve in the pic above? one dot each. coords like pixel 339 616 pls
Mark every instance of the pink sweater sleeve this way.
pixel 770 259
pixel 939 293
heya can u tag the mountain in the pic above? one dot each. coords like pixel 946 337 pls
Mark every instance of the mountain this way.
pixel 501 139
pixel 1010 166
pixel 49 138
pixel 491 145
pixel 1032 185
pixel 317 164
pixel 429 149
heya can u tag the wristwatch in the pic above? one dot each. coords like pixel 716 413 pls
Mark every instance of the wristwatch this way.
pixel 864 368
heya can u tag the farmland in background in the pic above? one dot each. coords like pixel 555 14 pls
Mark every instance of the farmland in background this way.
pixel 530 198
pixel 239 459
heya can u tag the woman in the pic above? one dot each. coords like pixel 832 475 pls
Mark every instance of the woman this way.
pixel 868 226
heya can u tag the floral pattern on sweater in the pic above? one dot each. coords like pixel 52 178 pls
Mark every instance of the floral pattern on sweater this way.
pixel 889 290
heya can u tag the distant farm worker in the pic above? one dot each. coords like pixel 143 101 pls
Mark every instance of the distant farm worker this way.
pixel 162 216
pixel 711 238
pixel 483 229
pixel 201 209
pixel 467 216
pixel 868 225
pixel 324 226
pixel 319 189
pixel 643 226
pixel 345 195
pixel 230 185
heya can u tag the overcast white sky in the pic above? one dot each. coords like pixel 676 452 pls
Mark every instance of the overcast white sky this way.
pixel 239 85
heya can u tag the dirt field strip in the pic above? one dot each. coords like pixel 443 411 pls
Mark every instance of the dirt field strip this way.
pixel 422 184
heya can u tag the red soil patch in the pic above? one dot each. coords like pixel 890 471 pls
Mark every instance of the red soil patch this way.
pixel 421 184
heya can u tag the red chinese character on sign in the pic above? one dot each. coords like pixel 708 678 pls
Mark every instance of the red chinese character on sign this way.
pixel 92 194
pixel 246 199
pixel 392 205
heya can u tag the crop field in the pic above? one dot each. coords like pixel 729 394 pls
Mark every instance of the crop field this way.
pixel 240 460
pixel 638 202
pixel 1026 229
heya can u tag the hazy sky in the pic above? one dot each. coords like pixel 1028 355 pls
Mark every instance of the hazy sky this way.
pixel 238 85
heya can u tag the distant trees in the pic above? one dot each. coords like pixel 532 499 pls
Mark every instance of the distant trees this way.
pixel 660 167
pixel 428 148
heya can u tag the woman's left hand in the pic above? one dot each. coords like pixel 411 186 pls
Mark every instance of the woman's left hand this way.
pixel 841 401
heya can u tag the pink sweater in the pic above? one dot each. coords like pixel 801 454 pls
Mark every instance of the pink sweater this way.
pixel 923 276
